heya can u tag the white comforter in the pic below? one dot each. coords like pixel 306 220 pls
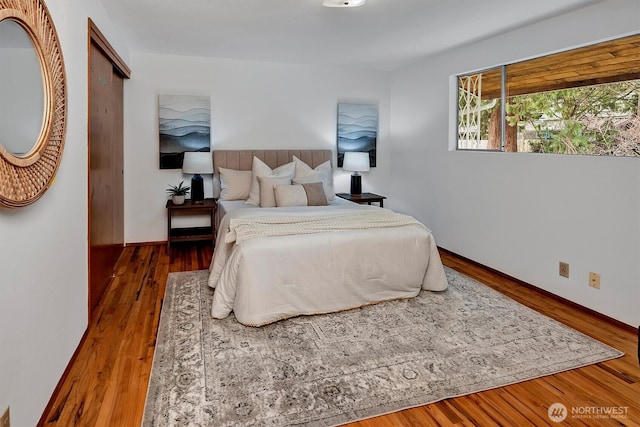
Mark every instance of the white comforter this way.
pixel 271 278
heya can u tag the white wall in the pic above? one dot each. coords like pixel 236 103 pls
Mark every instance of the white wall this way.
pixel 43 248
pixel 253 105
pixel 522 213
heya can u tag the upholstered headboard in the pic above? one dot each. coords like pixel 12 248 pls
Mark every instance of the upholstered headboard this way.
pixel 243 159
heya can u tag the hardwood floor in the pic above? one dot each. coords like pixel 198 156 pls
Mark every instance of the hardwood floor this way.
pixel 107 383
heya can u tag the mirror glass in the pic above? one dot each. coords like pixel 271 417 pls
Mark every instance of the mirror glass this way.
pixel 21 90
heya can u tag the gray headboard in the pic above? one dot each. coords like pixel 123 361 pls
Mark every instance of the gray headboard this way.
pixel 243 159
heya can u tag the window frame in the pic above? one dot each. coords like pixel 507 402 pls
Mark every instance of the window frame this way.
pixel 609 43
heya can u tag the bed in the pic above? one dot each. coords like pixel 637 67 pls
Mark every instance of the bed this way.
pixel 274 262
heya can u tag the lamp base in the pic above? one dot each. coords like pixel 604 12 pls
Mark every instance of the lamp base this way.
pixel 197 189
pixel 356 185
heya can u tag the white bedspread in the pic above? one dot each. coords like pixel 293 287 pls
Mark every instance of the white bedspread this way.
pixel 241 229
pixel 271 278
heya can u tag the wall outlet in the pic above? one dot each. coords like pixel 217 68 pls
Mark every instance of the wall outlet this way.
pixel 564 269
pixel 5 420
pixel 594 280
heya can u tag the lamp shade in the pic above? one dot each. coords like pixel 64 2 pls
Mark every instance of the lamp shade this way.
pixel 197 162
pixel 356 161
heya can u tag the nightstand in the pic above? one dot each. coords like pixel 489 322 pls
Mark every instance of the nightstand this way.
pixel 367 198
pixel 191 234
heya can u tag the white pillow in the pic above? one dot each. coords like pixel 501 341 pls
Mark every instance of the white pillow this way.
pixel 304 170
pixel 260 168
pixel 267 185
pixel 314 177
pixel 311 194
pixel 290 195
pixel 234 184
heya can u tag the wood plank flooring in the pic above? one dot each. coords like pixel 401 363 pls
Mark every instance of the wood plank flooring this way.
pixel 107 383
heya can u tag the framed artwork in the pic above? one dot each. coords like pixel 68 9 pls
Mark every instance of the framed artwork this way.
pixel 357 130
pixel 184 125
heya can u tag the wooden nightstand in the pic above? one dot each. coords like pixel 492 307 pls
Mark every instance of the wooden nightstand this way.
pixel 367 198
pixel 191 234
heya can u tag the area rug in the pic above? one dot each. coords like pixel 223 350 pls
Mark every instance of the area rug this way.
pixel 331 369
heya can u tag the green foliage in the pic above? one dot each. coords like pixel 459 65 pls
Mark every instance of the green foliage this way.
pixel 178 190
pixel 586 120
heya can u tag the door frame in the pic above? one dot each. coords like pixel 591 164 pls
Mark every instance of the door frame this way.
pixel 96 38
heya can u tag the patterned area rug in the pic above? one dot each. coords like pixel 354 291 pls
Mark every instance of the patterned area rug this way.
pixel 330 369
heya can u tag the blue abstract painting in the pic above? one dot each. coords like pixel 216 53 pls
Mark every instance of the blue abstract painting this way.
pixel 357 130
pixel 185 125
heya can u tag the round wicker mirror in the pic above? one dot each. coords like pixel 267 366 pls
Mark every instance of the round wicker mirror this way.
pixel 25 177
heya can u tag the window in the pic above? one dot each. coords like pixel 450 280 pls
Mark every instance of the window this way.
pixel 479 110
pixel 582 101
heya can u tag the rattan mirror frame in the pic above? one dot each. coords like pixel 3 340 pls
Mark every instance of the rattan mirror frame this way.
pixel 23 180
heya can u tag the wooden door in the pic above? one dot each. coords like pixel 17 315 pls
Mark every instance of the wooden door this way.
pixel 106 187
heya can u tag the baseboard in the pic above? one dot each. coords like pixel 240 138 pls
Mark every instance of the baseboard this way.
pixel 548 294
pixel 161 242
pixel 63 378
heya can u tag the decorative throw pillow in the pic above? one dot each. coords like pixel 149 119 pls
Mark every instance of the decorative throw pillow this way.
pixel 290 195
pixel 267 185
pixel 314 177
pixel 300 195
pixel 260 168
pixel 234 184
pixel 315 194
pixel 304 170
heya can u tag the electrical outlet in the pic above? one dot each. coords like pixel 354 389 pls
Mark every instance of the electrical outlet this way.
pixel 5 420
pixel 564 269
pixel 594 280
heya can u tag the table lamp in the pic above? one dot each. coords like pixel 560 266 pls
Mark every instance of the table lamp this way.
pixel 356 162
pixel 197 163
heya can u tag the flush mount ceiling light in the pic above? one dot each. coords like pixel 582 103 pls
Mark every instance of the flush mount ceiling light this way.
pixel 343 3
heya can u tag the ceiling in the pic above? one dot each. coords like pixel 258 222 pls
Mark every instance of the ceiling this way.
pixel 382 34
